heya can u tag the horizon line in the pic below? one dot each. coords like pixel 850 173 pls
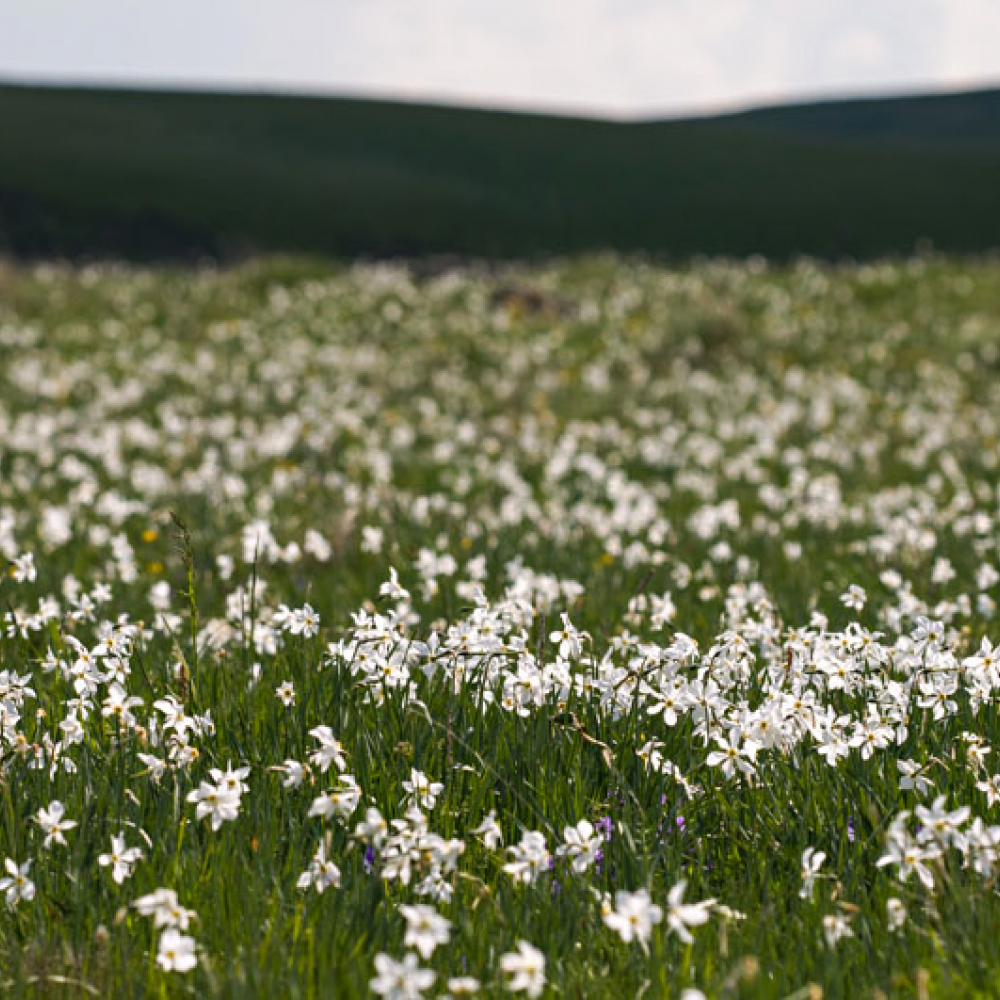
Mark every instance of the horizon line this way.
pixel 252 88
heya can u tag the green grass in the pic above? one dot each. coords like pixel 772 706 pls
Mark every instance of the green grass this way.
pixel 158 175
pixel 584 417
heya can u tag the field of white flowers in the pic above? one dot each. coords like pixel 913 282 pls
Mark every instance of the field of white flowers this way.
pixel 589 629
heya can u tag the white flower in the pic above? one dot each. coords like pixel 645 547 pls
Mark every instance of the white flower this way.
pixel 896 912
pixel 734 755
pixel 176 952
pixel 937 824
pixel 425 928
pixel 321 873
pixel 812 861
pixel 528 858
pixel 329 751
pixel 392 588
pixel 421 789
pixel 526 969
pixel 285 693
pixel 400 980
pixel 463 986
pixel 304 621
pixel 295 773
pixel 490 832
pixel 581 846
pixel 633 916
pixel 216 802
pixel 165 909
pixel 340 801
pixel 23 568
pixel 910 857
pixel 122 859
pixel 52 822
pixel 991 786
pixel 371 539
pixel 854 597
pixel 230 780
pixel 373 829
pixel 568 639
pixel 835 928
pixel 913 776
pixel 681 915
pixel 15 884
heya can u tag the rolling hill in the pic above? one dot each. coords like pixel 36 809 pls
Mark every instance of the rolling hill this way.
pixel 143 174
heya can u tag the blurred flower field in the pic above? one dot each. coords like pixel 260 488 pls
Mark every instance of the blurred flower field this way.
pixel 587 629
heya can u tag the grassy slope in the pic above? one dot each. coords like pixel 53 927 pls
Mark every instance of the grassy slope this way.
pixel 710 351
pixel 942 121
pixel 162 174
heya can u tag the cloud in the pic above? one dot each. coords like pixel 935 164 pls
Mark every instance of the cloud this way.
pixel 617 56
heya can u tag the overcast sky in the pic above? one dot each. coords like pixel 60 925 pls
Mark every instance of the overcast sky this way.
pixel 621 57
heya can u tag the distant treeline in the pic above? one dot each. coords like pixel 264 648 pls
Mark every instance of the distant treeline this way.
pixel 152 175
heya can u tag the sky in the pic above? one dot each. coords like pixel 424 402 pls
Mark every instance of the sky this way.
pixel 622 58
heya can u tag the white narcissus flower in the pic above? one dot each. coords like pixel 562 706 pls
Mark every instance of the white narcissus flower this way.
pixel 938 825
pixel 23 568
pixel 910 857
pixel 371 539
pixel 321 873
pixel 176 952
pixel 490 832
pixel 525 968
pixel 734 754
pixel 373 829
pixel 217 803
pixel 528 858
pixel 582 843
pixel 681 915
pixel 392 588
pixel 463 986
pixel 340 801
pixel 854 597
pixel 165 909
pixel 991 786
pixel 122 859
pixel 912 775
pixel 812 861
pixel 420 788
pixel 295 772
pixel 633 916
pixel 302 621
pixel 896 913
pixel 16 885
pixel 330 751
pixel 836 928
pixel 568 638
pixel 52 822
pixel 230 780
pixel 400 980
pixel 425 928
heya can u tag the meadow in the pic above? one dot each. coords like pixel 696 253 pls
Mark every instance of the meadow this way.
pixel 592 628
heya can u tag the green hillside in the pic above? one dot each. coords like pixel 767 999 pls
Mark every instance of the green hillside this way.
pixel 940 121
pixel 148 174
